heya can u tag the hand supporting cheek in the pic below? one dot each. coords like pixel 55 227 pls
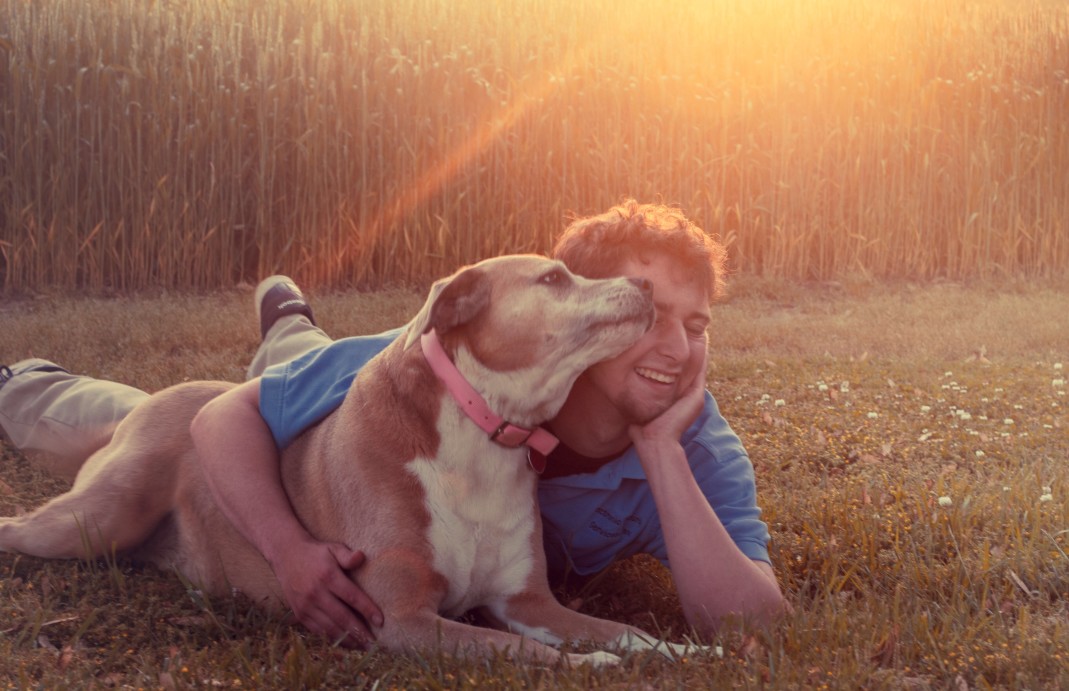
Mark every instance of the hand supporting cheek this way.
pixel 670 425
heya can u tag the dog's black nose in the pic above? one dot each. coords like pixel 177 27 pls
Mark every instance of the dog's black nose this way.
pixel 643 285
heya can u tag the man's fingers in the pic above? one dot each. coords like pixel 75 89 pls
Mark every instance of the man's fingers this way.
pixel 352 595
pixel 349 592
pixel 354 636
pixel 347 559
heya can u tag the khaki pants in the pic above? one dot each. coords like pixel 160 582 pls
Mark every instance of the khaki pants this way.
pixel 69 416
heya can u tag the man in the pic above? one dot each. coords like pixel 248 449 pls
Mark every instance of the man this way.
pixel 646 462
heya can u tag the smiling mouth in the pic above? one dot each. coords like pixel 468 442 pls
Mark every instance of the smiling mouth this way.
pixel 652 375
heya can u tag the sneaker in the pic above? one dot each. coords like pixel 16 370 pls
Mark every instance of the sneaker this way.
pixel 279 296
pixel 24 366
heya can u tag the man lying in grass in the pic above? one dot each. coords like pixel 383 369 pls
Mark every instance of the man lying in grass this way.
pixel 646 463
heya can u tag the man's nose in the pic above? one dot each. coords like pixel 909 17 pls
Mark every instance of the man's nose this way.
pixel 672 339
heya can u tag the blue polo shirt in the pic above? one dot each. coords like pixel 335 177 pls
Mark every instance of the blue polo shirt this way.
pixel 589 520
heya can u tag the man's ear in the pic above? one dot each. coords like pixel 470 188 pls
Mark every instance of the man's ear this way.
pixel 452 302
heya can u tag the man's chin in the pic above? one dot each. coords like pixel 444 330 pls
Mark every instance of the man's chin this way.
pixel 642 415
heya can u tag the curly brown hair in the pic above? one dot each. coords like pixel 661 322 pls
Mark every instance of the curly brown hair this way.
pixel 597 246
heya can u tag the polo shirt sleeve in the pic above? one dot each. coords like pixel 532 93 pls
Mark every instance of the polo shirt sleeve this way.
pixel 296 395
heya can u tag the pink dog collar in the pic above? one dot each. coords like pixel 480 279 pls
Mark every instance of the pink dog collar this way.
pixel 539 441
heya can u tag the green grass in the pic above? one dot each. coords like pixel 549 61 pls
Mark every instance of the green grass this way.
pixel 890 587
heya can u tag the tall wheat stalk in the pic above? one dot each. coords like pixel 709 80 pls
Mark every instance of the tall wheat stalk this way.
pixel 196 144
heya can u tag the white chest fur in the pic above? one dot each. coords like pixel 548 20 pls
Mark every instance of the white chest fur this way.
pixel 480 497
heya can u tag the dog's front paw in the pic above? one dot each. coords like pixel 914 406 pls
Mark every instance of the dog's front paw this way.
pixel 641 641
pixel 599 658
pixel 682 649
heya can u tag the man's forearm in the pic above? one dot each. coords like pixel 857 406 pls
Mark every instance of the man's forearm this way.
pixel 715 580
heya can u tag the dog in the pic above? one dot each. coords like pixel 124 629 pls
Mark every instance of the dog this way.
pixel 426 466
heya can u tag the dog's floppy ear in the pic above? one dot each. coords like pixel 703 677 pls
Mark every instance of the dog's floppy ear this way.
pixel 452 301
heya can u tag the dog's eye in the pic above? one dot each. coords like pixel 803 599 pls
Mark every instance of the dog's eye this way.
pixel 555 277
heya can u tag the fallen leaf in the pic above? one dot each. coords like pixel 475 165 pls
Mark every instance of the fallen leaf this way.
pixel 884 653
pixel 65 657
pixel 1021 584
pixel 750 648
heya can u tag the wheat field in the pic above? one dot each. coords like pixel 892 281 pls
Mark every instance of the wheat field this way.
pixel 201 143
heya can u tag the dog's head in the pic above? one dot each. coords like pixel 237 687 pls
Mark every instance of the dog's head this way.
pixel 522 328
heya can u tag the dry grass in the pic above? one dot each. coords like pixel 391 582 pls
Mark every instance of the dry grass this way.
pixel 921 538
pixel 199 143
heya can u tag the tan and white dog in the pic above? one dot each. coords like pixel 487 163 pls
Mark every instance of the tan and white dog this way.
pixel 446 513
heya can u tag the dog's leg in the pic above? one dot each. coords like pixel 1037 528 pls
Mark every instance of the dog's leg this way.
pixel 426 631
pixel 124 490
pixel 117 501
pixel 540 616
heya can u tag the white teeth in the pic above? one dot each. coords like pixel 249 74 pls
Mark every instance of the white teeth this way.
pixel 655 376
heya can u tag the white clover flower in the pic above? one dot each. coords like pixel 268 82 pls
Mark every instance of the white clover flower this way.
pixel 1057 382
pixel 1046 497
pixel 1058 366
pixel 1008 421
pixel 948 374
pixel 873 415
pixel 964 415
pixel 822 387
pixel 945 501
pixel 844 387
pixel 926 408
pixel 780 403
pixel 980 453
